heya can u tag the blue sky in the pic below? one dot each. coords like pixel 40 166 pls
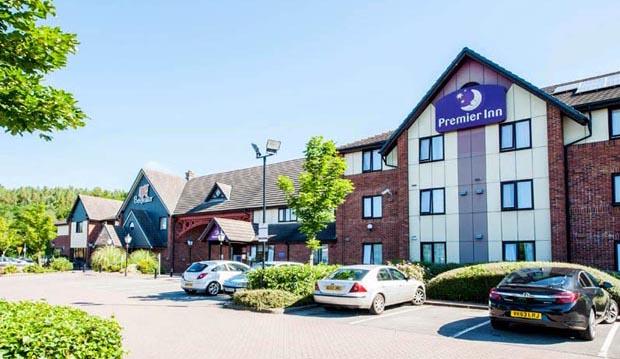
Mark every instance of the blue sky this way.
pixel 190 86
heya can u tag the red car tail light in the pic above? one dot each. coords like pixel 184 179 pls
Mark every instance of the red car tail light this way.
pixel 357 288
pixel 494 294
pixel 201 275
pixel 566 297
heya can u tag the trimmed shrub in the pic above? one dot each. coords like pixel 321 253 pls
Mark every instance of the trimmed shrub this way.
pixel 298 280
pixel 261 299
pixel 145 261
pixel 432 270
pixel 40 330
pixel 35 268
pixel 473 283
pixel 61 264
pixel 108 259
pixel 10 269
pixel 412 270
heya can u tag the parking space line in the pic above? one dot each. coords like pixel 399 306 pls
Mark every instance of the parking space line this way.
pixel 464 331
pixel 608 340
pixel 386 315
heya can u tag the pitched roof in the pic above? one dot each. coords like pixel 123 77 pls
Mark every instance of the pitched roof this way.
pixel 167 186
pixel 99 209
pixel 445 76
pixel 235 230
pixel 246 189
pixel 376 140
pixel 108 232
pixel 582 99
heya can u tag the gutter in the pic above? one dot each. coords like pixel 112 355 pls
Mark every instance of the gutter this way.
pixel 566 186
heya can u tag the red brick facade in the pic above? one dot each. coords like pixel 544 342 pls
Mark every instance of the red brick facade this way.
pixel 391 230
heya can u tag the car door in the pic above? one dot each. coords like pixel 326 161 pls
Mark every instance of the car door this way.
pixel 387 286
pixel 404 291
pixel 597 294
pixel 221 272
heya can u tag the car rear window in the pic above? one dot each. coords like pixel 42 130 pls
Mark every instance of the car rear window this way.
pixel 541 278
pixel 348 274
pixel 196 267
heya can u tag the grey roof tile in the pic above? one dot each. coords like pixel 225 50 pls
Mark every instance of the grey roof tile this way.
pixel 100 209
pixel 586 98
pixel 376 140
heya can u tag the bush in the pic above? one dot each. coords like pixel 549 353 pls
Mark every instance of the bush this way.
pixel 473 283
pixel 35 268
pixel 61 264
pixel 145 261
pixel 412 270
pixel 10 269
pixel 108 259
pixel 261 299
pixel 298 280
pixel 40 330
pixel 432 270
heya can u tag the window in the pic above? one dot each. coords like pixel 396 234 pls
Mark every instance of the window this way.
pixel 163 223
pixel 519 251
pixel 79 227
pixel 321 255
pixel 286 215
pixel 396 274
pixel 216 194
pixel 432 201
pixel 515 135
pixel 431 148
pixel 372 207
pixel 256 253
pixel 615 189
pixel 614 123
pixel 618 256
pixel 372 253
pixel 383 275
pixel 371 161
pixel 517 195
pixel 584 280
pixel 433 252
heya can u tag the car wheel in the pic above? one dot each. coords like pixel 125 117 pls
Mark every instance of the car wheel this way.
pixel 590 332
pixel 612 312
pixel 213 288
pixel 419 297
pixel 378 304
pixel 499 324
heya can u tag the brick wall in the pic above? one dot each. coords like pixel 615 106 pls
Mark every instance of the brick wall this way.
pixel 392 230
pixel 557 185
pixel 594 221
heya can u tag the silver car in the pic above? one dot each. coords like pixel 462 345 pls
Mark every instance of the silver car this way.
pixel 240 281
pixel 369 287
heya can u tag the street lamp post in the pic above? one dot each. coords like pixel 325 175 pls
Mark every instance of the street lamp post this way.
pixel 127 242
pixel 190 243
pixel 220 238
pixel 271 148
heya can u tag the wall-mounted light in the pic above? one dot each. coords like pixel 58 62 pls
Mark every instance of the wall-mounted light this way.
pixel 414 238
pixel 479 236
pixel 386 192
pixel 463 193
pixel 369 226
pixel 479 191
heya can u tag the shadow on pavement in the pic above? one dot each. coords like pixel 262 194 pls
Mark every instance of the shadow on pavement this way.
pixel 515 334
pixel 180 296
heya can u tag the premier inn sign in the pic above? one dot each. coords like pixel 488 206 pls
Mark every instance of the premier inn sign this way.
pixel 470 107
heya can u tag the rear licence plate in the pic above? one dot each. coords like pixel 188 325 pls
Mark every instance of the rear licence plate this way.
pixel 333 287
pixel 189 284
pixel 525 315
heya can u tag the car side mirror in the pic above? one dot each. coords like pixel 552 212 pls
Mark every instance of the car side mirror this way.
pixel 606 285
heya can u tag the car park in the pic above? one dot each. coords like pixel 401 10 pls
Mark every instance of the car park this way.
pixel 240 281
pixel 209 276
pixel 557 297
pixel 371 287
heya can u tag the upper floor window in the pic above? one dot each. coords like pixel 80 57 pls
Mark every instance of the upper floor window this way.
pixel 372 253
pixel 372 207
pixel 163 223
pixel 431 148
pixel 517 195
pixel 518 251
pixel 79 227
pixel 371 161
pixel 614 123
pixel 515 135
pixel 615 190
pixel 286 215
pixel 432 201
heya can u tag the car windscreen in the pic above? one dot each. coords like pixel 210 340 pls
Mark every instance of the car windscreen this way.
pixel 348 274
pixel 196 267
pixel 542 278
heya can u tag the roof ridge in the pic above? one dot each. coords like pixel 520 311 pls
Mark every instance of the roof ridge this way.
pixel 549 87
pixel 244 169
pixel 145 169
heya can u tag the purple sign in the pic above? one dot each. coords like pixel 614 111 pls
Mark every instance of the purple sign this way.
pixel 470 107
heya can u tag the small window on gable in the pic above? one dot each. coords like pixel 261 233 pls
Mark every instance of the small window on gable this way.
pixel 216 194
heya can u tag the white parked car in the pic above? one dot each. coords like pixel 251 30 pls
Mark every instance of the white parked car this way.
pixel 240 281
pixel 369 287
pixel 209 276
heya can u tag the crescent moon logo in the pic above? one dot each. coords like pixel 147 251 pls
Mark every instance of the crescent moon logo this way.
pixel 475 101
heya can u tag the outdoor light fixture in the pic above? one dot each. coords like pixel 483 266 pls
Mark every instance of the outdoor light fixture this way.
pixel 257 150
pixel 221 237
pixel 369 226
pixel 109 242
pixel 190 243
pixel 273 146
pixel 127 242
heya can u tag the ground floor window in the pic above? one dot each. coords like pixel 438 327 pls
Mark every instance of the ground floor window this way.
pixel 615 190
pixel 519 251
pixel 618 256
pixel 433 252
pixel 321 255
pixel 373 253
pixel 256 253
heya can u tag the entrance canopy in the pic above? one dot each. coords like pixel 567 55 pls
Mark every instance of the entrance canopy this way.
pixel 233 230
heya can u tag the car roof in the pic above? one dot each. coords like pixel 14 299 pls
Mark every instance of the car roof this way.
pixel 553 269
pixel 216 262
pixel 365 266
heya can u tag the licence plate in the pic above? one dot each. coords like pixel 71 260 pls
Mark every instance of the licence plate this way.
pixel 189 284
pixel 333 287
pixel 525 315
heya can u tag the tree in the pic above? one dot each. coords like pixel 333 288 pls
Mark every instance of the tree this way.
pixel 35 228
pixel 8 240
pixel 322 189
pixel 29 51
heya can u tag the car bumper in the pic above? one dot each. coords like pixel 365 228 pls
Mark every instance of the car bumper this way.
pixel 343 301
pixel 232 289
pixel 193 285
pixel 568 319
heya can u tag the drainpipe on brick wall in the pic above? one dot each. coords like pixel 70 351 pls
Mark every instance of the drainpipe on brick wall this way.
pixel 569 253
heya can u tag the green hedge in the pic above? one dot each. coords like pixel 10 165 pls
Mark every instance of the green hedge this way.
pixel 261 299
pixel 40 330
pixel 35 268
pixel 145 261
pixel 298 280
pixel 10 269
pixel 473 283
pixel 108 259
pixel 61 264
